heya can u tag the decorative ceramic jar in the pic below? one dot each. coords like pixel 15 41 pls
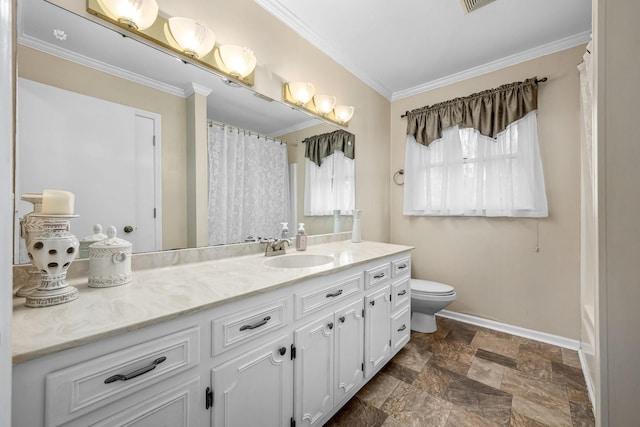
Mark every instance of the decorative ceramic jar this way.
pixel 52 249
pixel 96 237
pixel 110 261
pixel 29 227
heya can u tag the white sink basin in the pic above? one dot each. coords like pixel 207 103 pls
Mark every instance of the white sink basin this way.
pixel 298 261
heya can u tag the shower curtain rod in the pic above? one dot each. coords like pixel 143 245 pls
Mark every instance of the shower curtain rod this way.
pixel 246 132
pixel 542 80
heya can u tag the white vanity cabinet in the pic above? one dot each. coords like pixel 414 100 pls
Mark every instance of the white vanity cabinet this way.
pixel 377 330
pixel 289 356
pixel 328 362
pixel 144 378
pixel 254 389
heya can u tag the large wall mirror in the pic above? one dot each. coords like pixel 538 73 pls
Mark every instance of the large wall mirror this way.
pixel 87 96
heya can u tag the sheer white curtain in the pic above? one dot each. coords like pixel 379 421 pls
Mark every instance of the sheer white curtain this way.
pixel 466 173
pixel 248 186
pixel 330 186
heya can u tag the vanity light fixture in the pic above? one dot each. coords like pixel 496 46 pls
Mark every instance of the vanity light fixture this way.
pixel 238 61
pixel 324 103
pixel 193 37
pixel 300 94
pixel 135 14
pixel 187 39
pixel 343 113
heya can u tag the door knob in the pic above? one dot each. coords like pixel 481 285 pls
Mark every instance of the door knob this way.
pixel 128 229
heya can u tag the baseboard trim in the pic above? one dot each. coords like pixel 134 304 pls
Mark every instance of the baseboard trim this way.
pixel 513 330
pixel 587 380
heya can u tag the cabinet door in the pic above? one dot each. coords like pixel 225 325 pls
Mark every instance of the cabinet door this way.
pixel 349 355
pixel 260 380
pixel 314 371
pixel 377 330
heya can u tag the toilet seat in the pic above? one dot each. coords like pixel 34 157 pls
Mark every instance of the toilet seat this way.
pixel 428 287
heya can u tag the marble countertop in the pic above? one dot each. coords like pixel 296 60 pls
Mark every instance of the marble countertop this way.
pixel 165 293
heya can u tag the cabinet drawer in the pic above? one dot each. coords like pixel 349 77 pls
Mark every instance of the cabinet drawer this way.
pixel 400 267
pixel 400 293
pixel 87 386
pixel 314 299
pixel 234 329
pixel 175 406
pixel 400 328
pixel 376 275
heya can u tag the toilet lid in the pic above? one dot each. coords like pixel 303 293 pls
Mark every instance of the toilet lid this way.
pixel 429 287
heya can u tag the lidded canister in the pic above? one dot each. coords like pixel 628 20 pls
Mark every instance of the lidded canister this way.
pixel 97 236
pixel 110 261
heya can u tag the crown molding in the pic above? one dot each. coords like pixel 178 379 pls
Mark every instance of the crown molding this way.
pixel 97 65
pixel 292 21
pixel 527 55
pixel 192 88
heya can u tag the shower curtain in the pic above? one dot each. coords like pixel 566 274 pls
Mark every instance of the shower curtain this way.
pixel 588 215
pixel 248 186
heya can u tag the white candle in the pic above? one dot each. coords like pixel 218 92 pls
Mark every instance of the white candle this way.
pixel 57 202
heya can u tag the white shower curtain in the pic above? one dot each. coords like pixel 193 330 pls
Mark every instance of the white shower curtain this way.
pixel 248 186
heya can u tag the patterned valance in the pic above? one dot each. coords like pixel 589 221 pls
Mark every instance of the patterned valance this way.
pixel 489 112
pixel 320 146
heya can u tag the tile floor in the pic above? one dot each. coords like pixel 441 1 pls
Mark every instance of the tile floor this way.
pixel 467 376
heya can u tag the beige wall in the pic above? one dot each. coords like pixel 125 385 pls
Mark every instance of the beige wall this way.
pixel 41 67
pixel 492 262
pixel 617 39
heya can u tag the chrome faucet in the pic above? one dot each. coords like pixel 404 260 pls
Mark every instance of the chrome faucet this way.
pixel 276 247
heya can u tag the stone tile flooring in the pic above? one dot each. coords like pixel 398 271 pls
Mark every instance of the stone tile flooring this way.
pixel 467 376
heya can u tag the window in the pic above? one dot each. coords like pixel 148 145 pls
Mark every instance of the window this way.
pixel 330 186
pixel 467 173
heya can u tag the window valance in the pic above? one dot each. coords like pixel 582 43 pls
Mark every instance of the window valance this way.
pixel 489 112
pixel 318 147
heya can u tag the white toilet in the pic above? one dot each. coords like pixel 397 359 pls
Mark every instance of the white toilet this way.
pixel 428 298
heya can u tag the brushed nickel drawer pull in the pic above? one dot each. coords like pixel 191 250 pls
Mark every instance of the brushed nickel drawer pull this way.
pixel 402 328
pixel 404 292
pixel 137 372
pixel 379 276
pixel 256 325
pixel 335 294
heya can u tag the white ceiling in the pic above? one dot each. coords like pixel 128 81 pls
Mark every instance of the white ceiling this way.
pixel 405 47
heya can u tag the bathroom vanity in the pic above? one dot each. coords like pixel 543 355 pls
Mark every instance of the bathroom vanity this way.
pixel 233 342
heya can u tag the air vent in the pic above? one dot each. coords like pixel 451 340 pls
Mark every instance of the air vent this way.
pixel 471 5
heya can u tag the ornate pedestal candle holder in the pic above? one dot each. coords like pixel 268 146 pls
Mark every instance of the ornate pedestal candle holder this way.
pixel 51 251
pixel 28 228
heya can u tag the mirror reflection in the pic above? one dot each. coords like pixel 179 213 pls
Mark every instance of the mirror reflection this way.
pixel 127 128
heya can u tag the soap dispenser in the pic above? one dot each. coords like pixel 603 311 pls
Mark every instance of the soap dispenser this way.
pixel 284 234
pixel 301 238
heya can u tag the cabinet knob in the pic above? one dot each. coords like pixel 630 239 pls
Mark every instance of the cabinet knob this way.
pixel 330 325
pixel 342 319
pixel 282 351
pixel 373 302
pixel 128 229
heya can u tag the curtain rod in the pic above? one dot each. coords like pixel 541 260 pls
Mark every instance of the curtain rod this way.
pixel 246 132
pixel 542 80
